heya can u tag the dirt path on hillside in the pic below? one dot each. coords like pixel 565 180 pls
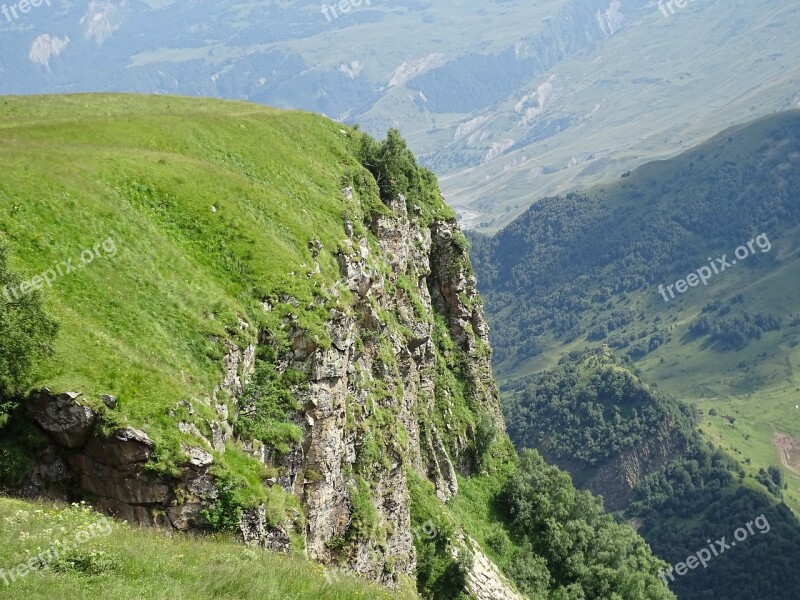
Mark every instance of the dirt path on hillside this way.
pixel 789 448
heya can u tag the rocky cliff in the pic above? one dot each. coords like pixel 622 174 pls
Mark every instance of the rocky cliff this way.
pixel 402 384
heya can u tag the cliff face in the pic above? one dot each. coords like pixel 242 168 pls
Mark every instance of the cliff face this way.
pixel 404 384
pixel 380 385
pixel 616 479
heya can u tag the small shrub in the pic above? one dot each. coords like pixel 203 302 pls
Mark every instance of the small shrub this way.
pixel 226 513
pixel 336 543
pixel 90 561
pixel 15 465
pixel 485 434
pixel 266 404
pixel 498 541
pixel 364 516
pixel 27 332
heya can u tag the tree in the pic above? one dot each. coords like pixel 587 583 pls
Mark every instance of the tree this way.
pixel 392 164
pixel 26 333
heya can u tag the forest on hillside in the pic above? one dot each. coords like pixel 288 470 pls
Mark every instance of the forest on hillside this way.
pixel 569 257
pixel 593 408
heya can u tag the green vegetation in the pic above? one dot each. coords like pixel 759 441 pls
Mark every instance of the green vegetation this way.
pixel 695 508
pixel 587 554
pixel 732 331
pixel 208 221
pixel 265 407
pixel 588 264
pixel 591 410
pixel 240 480
pixel 215 209
pixel 364 516
pixel 583 270
pixel 27 332
pixel 550 539
pixel 26 340
pixel 439 575
pixel 396 172
pixel 130 562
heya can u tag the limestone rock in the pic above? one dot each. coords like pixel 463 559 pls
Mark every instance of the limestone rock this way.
pixel 256 531
pixel 484 580
pixel 198 459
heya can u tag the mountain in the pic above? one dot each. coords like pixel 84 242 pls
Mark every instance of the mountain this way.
pixel 641 450
pixel 223 318
pixel 684 270
pixel 506 101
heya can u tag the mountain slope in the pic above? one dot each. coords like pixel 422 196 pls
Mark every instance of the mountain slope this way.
pixel 641 451
pixel 583 270
pixel 269 327
pixel 611 247
pixel 687 267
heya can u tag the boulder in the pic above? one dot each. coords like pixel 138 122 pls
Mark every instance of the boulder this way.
pixel 63 418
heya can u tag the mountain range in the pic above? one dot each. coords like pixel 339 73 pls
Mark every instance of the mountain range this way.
pixel 646 338
pixel 506 102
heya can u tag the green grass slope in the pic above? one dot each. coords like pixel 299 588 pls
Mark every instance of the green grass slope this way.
pixel 199 231
pixel 112 560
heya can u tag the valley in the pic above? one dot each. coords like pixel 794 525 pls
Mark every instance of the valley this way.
pixel 588 272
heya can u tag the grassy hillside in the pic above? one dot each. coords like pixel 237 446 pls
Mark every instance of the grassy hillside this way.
pixel 184 219
pixel 207 206
pixel 118 561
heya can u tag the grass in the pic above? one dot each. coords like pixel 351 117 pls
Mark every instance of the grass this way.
pixel 210 207
pixel 120 561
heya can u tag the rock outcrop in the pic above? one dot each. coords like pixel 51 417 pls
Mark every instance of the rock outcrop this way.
pixel 64 418
pixel 484 579
pixel 112 469
pixel 407 356
pixel 616 479
pixel 382 361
